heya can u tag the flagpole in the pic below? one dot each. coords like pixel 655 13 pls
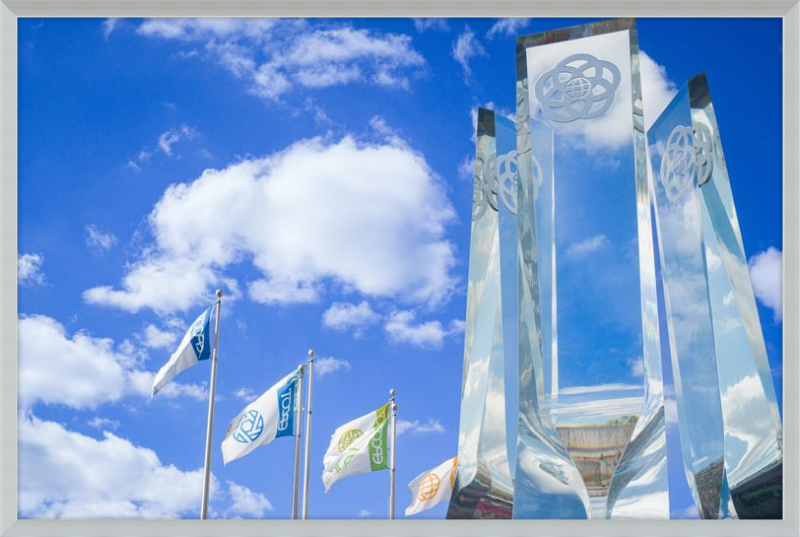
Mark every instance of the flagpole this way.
pixel 308 433
pixel 210 426
pixel 298 416
pixel 393 407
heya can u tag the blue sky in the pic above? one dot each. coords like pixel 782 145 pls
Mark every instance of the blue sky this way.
pixel 318 171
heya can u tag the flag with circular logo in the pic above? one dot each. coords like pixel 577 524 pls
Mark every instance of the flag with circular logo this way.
pixel 195 347
pixel 359 446
pixel 271 416
pixel 432 487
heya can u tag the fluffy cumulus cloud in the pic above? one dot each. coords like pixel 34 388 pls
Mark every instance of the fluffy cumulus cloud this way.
pixel 465 49
pixel 81 371
pixel 343 316
pixel 295 215
pixel 29 269
pixel 276 56
pixel 657 88
pixel 328 365
pixel 507 27
pixel 401 327
pixel 246 503
pixel 156 338
pixel 65 474
pixel 766 273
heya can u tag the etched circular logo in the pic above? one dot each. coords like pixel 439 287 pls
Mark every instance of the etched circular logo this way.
pixel 704 153
pixel 579 87
pixel 484 187
pixel 249 428
pixel 678 163
pixel 429 487
pixel 688 152
pixel 507 180
pixel 347 438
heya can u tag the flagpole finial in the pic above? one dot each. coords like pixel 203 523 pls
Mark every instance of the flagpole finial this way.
pixel 392 392
pixel 311 353
pixel 219 293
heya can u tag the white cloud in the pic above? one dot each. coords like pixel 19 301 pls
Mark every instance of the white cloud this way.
pixel 274 55
pixel 81 371
pixel 295 214
pixel 507 27
pixel 657 89
pixel 29 269
pixel 437 23
pixel 587 246
pixel 466 168
pixel 173 136
pixel 99 241
pixel 364 514
pixel 108 26
pixel 344 316
pixel 637 366
pixel 163 284
pixel 325 366
pixel 246 503
pixel 766 273
pixel 432 426
pixel 156 338
pixel 400 328
pixel 201 29
pixel 103 423
pixel 64 474
pixel 245 394
pixel 465 48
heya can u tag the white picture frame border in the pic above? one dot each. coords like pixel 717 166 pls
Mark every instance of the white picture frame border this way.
pixel 10 11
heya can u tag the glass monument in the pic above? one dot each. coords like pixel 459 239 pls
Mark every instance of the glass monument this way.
pixel 586 228
pixel 730 427
pixel 487 432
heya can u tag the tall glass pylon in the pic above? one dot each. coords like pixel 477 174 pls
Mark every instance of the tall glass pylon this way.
pixel 593 404
pixel 487 433
pixel 731 433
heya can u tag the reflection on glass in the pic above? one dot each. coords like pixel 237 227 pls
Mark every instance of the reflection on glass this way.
pixel 588 276
pixel 732 435
pixel 483 487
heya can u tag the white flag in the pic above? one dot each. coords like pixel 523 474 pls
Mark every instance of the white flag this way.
pixel 196 346
pixel 432 487
pixel 271 416
pixel 359 446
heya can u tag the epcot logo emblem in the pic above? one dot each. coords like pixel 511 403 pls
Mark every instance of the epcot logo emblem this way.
pixel 689 151
pixel 507 180
pixel 579 87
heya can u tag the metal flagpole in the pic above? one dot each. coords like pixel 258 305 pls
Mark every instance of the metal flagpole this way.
pixel 392 459
pixel 298 416
pixel 308 433
pixel 209 427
